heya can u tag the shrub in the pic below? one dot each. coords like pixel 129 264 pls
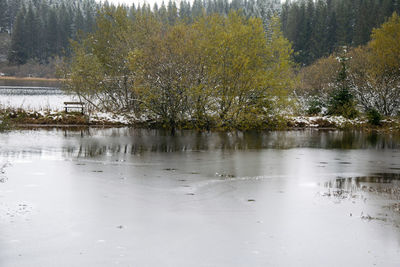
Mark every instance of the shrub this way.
pixel 314 106
pixel 374 117
pixel 342 103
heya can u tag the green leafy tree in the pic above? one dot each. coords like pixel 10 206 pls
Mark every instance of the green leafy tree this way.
pixel 101 58
pixel 384 60
pixel 164 74
pixel 236 52
pixel 219 71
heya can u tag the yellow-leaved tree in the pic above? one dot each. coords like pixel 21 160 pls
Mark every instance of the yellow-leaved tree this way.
pixel 280 76
pixel 223 71
pixel 384 59
pixel 99 70
pixel 248 72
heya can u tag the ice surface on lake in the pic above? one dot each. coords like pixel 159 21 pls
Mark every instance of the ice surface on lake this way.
pixel 126 197
pixel 33 97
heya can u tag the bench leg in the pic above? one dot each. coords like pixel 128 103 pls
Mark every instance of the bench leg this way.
pixel 66 110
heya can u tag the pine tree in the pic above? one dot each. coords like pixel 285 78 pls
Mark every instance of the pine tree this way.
pixel 342 101
pixel 172 12
pixel 331 30
pixel 32 29
pixel 185 11
pixel 3 16
pixel 163 14
pixel 18 53
pixel 78 23
pixel 319 40
pixel 197 8
pixel 14 7
pixel 52 33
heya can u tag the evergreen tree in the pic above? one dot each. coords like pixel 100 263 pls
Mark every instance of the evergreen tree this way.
pixel 331 40
pixel 14 7
pixel 18 53
pixel 317 28
pixel 52 33
pixel 185 11
pixel 32 28
pixel 197 8
pixel 172 12
pixel 3 16
pixel 78 23
pixel 319 40
pixel 163 14
pixel 342 101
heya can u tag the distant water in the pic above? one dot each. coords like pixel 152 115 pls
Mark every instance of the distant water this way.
pixel 33 97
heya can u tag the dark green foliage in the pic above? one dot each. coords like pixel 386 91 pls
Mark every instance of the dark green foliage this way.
pixel 43 29
pixel 341 101
pixel 342 104
pixel 4 123
pixel 374 117
pixel 17 53
pixel 3 16
pixel 314 106
pixel 318 28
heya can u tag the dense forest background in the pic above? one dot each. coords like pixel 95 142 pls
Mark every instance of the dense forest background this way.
pixel 40 30
pixel 318 28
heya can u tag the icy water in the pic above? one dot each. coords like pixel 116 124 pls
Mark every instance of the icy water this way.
pixel 124 197
pixel 32 95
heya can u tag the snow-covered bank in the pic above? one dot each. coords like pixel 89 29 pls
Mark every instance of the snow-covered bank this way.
pixel 325 122
pixel 49 117
pixel 338 122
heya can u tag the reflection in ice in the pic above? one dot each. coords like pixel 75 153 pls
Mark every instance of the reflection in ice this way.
pixel 385 184
pixel 81 197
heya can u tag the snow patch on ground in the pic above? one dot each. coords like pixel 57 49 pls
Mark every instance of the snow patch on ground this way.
pixel 109 118
pixel 325 121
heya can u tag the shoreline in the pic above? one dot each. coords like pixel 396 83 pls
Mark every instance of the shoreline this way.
pixel 14 119
pixel 33 79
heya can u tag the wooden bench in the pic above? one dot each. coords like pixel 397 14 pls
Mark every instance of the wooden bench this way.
pixel 73 106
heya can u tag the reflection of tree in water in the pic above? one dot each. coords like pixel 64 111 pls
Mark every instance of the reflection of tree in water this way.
pixel 381 183
pixel 359 139
pixel 94 142
pixel 90 142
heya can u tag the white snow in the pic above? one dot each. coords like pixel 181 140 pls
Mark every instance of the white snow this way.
pixel 334 121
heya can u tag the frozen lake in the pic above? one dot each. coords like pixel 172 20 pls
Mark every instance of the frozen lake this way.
pixel 32 96
pixel 125 197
